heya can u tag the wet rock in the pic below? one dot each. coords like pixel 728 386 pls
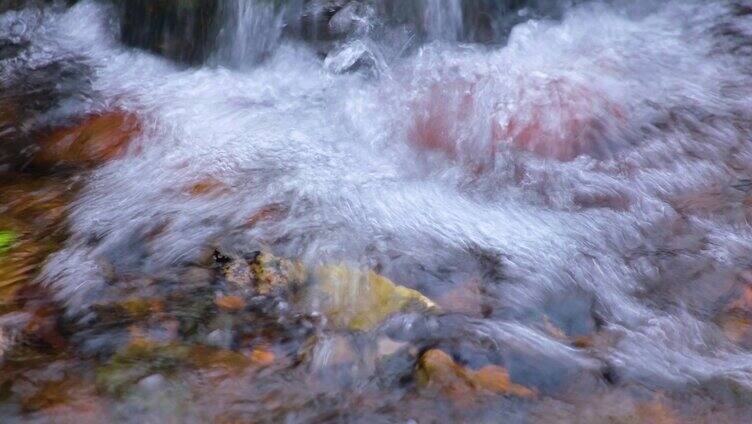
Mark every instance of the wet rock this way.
pixel 352 57
pixel 339 360
pixel 220 338
pixel 30 93
pixel 275 276
pixel 184 31
pixel 572 313
pixel 361 300
pixel 438 371
pixel 142 307
pixel 238 272
pixel 230 303
pixel 53 393
pixel 466 297
pixel 32 222
pixel 222 360
pixel 333 350
pixel 207 187
pixel 90 143
pixel 193 31
pixel 734 316
pixel 20 263
pixel 394 361
pixel 386 347
pixel 137 361
pixel 197 276
pixel 11 326
pixel 272 212
pixel 262 273
pixel 355 18
pixel 262 356
pixel 153 383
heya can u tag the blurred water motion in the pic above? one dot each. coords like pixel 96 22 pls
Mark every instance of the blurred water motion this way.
pixel 375 211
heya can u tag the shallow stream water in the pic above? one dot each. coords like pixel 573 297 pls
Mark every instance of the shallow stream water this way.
pixel 574 194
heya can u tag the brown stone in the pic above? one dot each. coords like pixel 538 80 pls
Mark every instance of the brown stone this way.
pixel 209 187
pixel 229 303
pixel 267 213
pixel 93 141
pixel 262 356
pixel 438 371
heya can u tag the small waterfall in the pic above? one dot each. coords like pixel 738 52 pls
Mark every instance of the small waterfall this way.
pixel 249 30
pixel 442 19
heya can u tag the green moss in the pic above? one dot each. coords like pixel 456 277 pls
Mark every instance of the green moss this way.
pixel 7 238
pixel 137 361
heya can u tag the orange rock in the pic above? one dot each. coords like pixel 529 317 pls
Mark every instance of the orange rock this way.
pixel 736 317
pixel 218 359
pixel 262 356
pixel 553 330
pixel 655 413
pixel 438 371
pixel 496 379
pixel 744 301
pixel 582 342
pixel 207 187
pixel 229 303
pixel 266 213
pixel 90 143
pixel 737 327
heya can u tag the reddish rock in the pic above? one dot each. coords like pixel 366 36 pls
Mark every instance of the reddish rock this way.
pixel 91 142
pixel 272 212
pixel 557 119
pixel 209 187
pixel 560 121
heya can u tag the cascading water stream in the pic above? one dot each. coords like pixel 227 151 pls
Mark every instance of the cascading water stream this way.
pixel 572 195
pixel 250 31
pixel 442 20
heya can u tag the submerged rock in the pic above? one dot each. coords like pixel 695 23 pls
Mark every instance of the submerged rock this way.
pixel 438 371
pixel 90 143
pixel 32 218
pixel 30 92
pixel 262 273
pixel 352 57
pixel 230 303
pixel 735 319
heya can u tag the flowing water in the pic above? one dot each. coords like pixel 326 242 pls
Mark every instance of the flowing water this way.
pixel 585 174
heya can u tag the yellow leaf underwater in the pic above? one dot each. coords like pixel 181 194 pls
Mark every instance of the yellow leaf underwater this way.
pixel 361 300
